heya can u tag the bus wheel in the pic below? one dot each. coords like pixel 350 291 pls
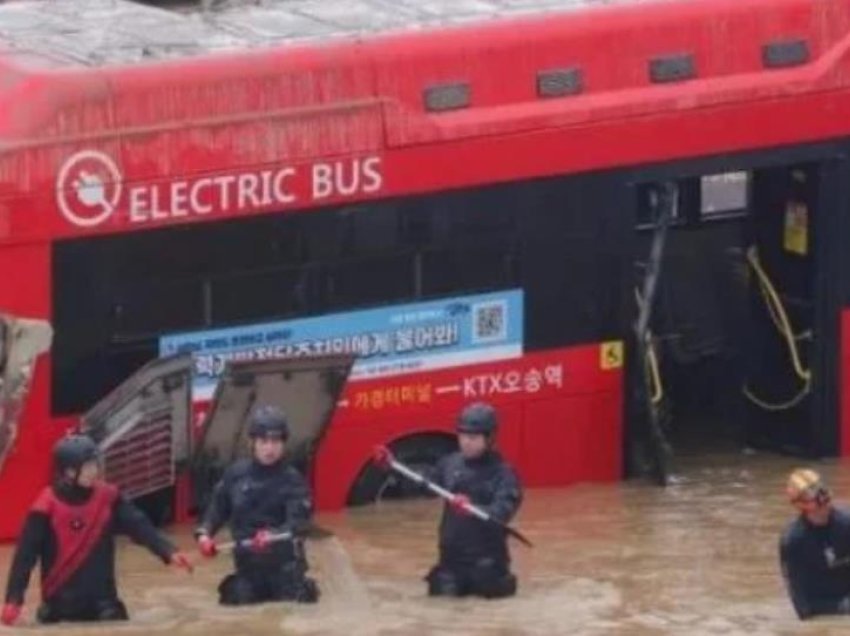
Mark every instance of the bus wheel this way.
pixel 419 452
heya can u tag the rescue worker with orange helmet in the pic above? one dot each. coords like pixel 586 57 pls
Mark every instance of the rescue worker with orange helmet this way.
pixel 71 530
pixel 473 554
pixel 815 549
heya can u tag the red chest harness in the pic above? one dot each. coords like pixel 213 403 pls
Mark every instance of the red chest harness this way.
pixel 77 529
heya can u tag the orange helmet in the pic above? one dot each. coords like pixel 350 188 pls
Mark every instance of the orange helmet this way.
pixel 806 489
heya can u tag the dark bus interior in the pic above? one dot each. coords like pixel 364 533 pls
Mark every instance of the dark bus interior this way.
pixel 739 314
pixel 115 295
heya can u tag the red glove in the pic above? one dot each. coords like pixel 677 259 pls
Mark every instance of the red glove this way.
pixel 261 541
pixel 207 546
pixel 382 457
pixel 459 504
pixel 11 613
pixel 181 560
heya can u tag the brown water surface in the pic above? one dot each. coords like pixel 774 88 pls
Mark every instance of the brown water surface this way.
pixel 697 558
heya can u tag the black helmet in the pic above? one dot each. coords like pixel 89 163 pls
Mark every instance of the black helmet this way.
pixel 268 421
pixel 478 418
pixel 72 452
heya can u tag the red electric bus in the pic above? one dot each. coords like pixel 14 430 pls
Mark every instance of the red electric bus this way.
pixel 667 179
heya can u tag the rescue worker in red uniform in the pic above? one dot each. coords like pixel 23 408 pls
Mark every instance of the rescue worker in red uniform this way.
pixel 815 549
pixel 71 530
pixel 474 558
pixel 259 498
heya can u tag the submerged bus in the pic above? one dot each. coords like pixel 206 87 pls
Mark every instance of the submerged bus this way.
pixel 443 201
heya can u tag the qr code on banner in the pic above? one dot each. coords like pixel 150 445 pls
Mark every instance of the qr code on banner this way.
pixel 490 321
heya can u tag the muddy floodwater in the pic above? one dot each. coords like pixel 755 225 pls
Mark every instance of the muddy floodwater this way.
pixel 697 558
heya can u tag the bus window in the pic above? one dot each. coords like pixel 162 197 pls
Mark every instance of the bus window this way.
pixel 724 195
pixel 648 206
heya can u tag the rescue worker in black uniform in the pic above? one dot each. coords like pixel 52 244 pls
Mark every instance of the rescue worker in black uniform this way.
pixel 261 497
pixel 71 530
pixel 815 549
pixel 473 554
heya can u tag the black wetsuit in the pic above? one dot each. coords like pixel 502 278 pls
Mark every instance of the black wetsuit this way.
pixel 88 591
pixel 252 497
pixel 815 563
pixel 474 557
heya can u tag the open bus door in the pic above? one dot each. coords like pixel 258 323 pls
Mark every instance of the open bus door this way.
pixel 306 389
pixel 736 347
pixel 21 342
pixel 786 308
pixel 142 427
pixel 651 448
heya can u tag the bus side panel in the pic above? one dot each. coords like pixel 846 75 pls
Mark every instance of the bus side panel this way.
pixel 24 292
pixel 572 439
pixel 560 418
pixel 348 450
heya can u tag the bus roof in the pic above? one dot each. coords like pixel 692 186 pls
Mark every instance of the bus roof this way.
pixel 389 107
pixel 92 33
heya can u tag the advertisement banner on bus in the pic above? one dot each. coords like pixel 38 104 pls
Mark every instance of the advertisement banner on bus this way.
pixel 387 341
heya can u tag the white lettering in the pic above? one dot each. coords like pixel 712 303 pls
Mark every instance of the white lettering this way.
pixel 347 186
pixel 281 194
pixel 495 380
pixel 322 181
pixel 266 187
pixel 373 180
pixel 179 199
pixel 195 197
pixel 497 384
pixel 248 184
pixel 157 214
pixel 469 387
pixel 224 184
pixel 138 205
